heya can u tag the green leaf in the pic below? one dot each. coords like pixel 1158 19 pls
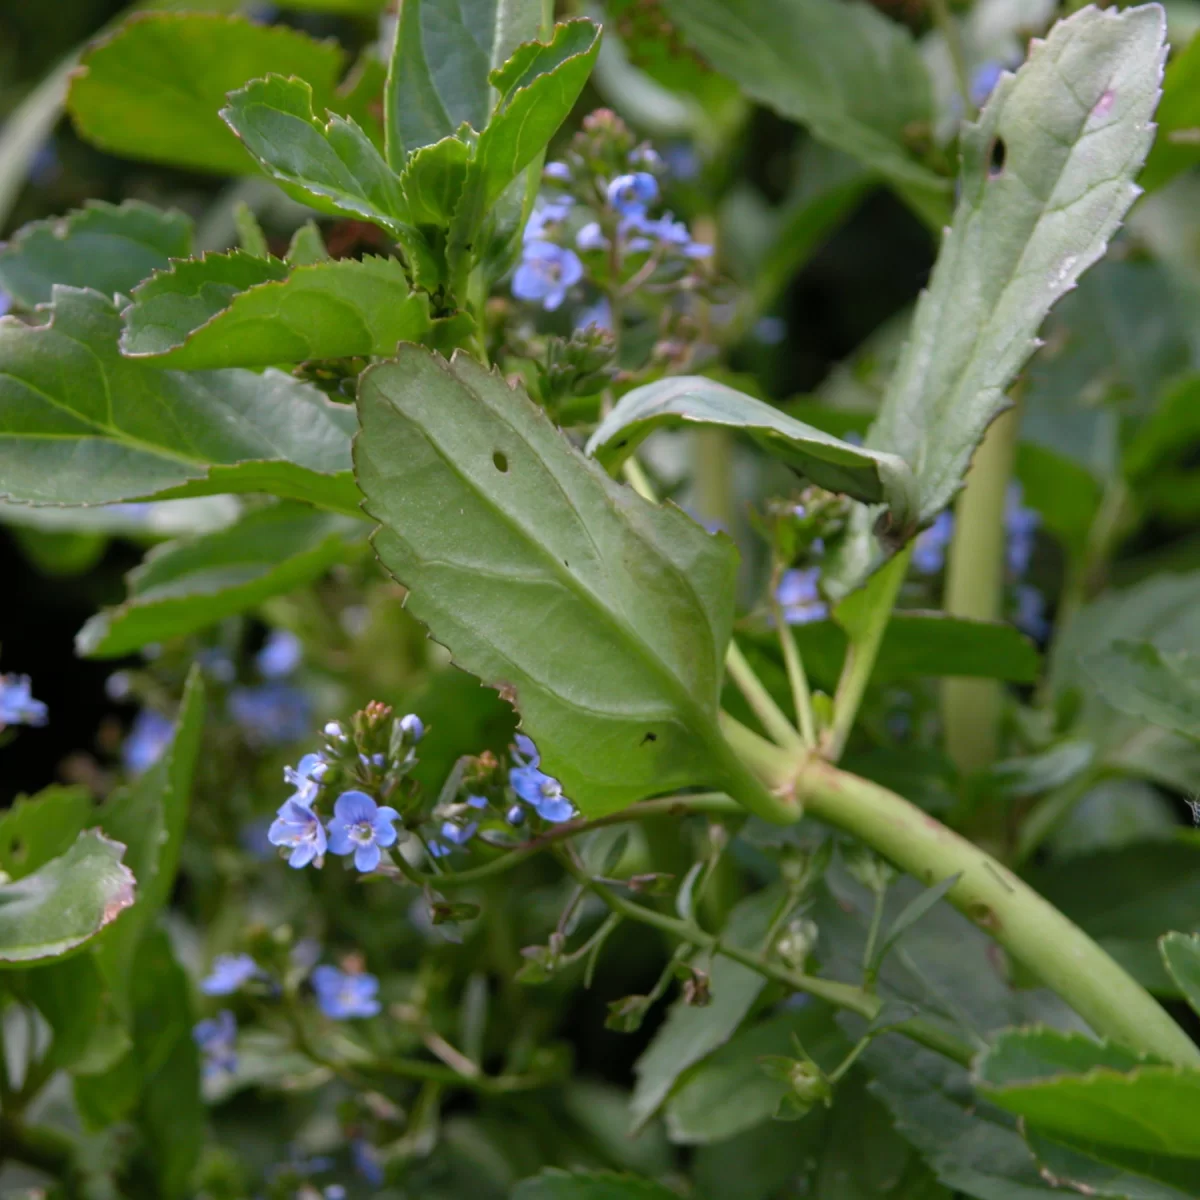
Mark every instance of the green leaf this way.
pixel 692 400
pixel 1047 176
pixel 1139 679
pixel 38 828
pixel 487 514
pixel 1102 1170
pixel 332 166
pixel 109 248
pixel 306 247
pixel 909 915
pixel 188 585
pixel 1070 1086
pixel 152 89
pixel 1181 956
pixel 1177 146
pixel 433 181
pixel 89 1037
pixel 553 1184
pixel 196 317
pixel 64 903
pixel 79 424
pixel 441 60
pixel 847 72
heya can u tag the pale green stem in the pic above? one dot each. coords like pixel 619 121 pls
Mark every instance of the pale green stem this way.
pixel 861 655
pixel 637 479
pixel 712 476
pixel 975 589
pixel 778 727
pixel 797 678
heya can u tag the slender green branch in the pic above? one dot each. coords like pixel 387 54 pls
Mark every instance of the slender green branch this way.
pixel 38 1146
pixel 778 727
pixel 797 678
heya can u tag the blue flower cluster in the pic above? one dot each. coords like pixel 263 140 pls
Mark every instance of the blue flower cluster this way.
pixel 230 973
pixel 17 705
pixel 799 597
pixel 342 995
pixel 149 736
pixel 217 1040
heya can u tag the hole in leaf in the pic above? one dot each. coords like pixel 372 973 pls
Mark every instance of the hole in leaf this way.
pixel 996 158
pixel 650 737
pixel 500 459
pixel 17 850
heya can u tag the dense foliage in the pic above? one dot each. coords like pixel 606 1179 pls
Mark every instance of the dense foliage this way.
pixel 618 691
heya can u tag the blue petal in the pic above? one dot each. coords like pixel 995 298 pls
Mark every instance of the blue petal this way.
pixel 303 854
pixel 526 750
pixel 366 858
pixel 354 806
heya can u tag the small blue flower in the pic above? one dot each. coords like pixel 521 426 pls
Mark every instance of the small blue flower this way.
pixel 641 234
pixel 540 791
pixel 630 194
pixel 477 801
pixel 360 827
pixel 545 216
pixel 228 974
pixel 299 828
pixel 280 655
pixel 559 172
pixel 412 727
pixel 306 778
pixel 1021 524
pixel 598 314
pixel 334 1191
pixel 118 686
pixel 1030 616
pixel 271 714
pixel 17 705
pixel 591 237
pixel 799 598
pixel 546 273
pixel 682 160
pixel 645 158
pixel 148 739
pixel 459 835
pixel 515 815
pixel 366 1162
pixel 437 849
pixel 217 1039
pixel 929 552
pixel 342 996
pixel 983 81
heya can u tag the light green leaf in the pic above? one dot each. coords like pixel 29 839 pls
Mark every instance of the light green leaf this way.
pixel 1139 679
pixel 250 236
pixel 1177 146
pixel 109 248
pixel 79 424
pixel 488 515
pixel 847 72
pixel 185 586
pixel 331 165
pixel 433 181
pixel 1047 176
pixel 441 60
pixel 41 827
pixel 191 319
pixel 65 902
pixel 553 1184
pixel 1070 1086
pixel 152 89
pixel 1181 956
pixel 692 400
pixel 306 247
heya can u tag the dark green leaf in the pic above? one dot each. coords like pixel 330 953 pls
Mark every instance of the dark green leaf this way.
pixel 553 1184
pixel 692 400
pixel 487 514
pixel 1139 679
pixel 909 915
pixel 152 89
pixel 1177 146
pixel 1064 493
pixel 65 902
pixel 1094 1169
pixel 79 424
pixel 1070 1086
pixel 760 1163
pixel 185 586
pixel 38 828
pixel 441 60
pixel 72 995
pixel 1181 956
pixel 199 316
pixel 106 247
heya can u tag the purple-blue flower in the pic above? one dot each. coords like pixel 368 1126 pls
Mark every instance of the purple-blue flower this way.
pixel 641 233
pixel 559 172
pixel 591 237
pixel 17 705
pixel 217 1039
pixel 645 158
pixel 300 829
pixel 412 727
pixel 630 194
pixel 1021 524
pixel 929 553
pixel 342 996
pixel 515 815
pixel 360 827
pixel 540 791
pixel 546 273
pixel 149 736
pixel 799 598
pixel 271 714
pixel 366 1161
pixel 228 974
pixel 1030 615
pixel 280 655
pixel 306 778
pixel 457 834
pixel 598 314
pixel 983 81
pixel 546 214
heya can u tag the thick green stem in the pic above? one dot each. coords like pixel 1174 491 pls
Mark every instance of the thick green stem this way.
pixel 712 476
pixel 975 589
pixel 773 718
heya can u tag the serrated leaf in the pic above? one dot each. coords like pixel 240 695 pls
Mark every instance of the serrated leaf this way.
pixel 191 319
pixel 109 248
pixel 440 63
pixel 41 827
pixel 1181 956
pixel 64 903
pixel 433 180
pixel 554 1184
pixel 692 400
pixel 152 89
pixel 1092 1169
pixel 1071 1086
pixel 79 424
pixel 331 165
pixel 1139 679
pixel 188 585
pixel 487 515
pixel 1047 176
pixel 847 72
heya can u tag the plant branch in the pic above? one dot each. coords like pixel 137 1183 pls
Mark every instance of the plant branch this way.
pixel 797 678
pixel 37 1146
pixel 773 720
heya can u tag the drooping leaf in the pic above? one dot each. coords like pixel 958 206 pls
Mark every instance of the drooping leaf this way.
pixel 41 827
pixel 1177 147
pixel 197 316
pixel 331 165
pixel 109 248
pixel 152 89
pixel 488 515
pixel 1087 1091
pixel 79 424
pixel 851 75
pixel 440 63
pixel 1141 680
pixel 1181 955
pixel 554 1184
pixel 66 902
pixel 693 401
pixel 185 586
